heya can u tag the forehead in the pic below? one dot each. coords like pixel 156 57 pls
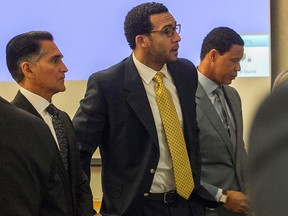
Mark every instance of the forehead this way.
pixel 162 19
pixel 235 51
pixel 49 48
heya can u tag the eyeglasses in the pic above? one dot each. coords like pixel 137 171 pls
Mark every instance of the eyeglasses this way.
pixel 169 30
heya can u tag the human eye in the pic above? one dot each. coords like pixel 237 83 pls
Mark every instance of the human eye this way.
pixel 55 59
pixel 235 60
pixel 168 30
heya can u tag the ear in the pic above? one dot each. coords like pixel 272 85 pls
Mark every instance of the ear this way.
pixel 213 55
pixel 27 69
pixel 141 41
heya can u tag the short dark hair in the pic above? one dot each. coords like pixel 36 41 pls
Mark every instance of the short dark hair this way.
pixel 138 22
pixel 24 47
pixel 221 39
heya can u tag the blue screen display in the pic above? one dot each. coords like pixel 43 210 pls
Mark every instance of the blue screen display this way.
pixel 90 33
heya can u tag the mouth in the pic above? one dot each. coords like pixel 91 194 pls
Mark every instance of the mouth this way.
pixel 175 49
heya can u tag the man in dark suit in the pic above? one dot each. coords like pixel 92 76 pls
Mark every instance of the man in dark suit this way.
pixel 120 115
pixel 222 147
pixel 268 170
pixel 30 180
pixel 35 62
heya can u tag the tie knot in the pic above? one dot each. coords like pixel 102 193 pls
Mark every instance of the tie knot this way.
pixel 51 109
pixel 219 91
pixel 158 78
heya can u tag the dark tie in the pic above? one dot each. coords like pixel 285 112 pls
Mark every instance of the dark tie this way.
pixel 175 139
pixel 60 133
pixel 221 109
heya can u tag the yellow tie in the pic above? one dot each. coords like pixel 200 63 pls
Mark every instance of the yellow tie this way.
pixel 175 139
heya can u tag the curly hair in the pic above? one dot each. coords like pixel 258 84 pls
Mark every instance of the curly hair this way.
pixel 138 22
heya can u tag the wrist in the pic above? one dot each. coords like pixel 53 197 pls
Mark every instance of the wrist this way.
pixel 223 197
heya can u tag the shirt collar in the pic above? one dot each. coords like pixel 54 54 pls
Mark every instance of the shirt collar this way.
pixel 147 73
pixel 208 85
pixel 39 103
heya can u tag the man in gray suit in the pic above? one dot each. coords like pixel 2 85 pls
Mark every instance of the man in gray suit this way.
pixel 219 117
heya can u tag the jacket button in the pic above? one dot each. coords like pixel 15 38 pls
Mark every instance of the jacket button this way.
pixel 146 194
pixel 152 171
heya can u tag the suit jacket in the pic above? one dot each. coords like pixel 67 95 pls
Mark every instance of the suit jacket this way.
pixel 268 158
pixel 30 179
pixel 221 166
pixel 116 116
pixel 76 182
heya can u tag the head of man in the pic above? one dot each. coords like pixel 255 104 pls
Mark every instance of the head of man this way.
pixel 221 53
pixel 152 34
pixel 35 62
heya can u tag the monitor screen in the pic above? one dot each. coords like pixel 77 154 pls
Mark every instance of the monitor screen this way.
pixel 90 33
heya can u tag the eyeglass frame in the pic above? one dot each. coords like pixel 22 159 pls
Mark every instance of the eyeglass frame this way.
pixel 165 31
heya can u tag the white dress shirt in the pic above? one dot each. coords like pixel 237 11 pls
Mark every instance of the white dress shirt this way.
pixel 164 176
pixel 40 104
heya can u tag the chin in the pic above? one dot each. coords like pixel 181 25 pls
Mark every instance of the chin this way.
pixel 172 60
pixel 228 82
pixel 62 89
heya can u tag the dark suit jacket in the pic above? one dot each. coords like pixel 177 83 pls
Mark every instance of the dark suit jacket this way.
pixel 77 190
pixel 222 167
pixel 31 183
pixel 268 155
pixel 116 116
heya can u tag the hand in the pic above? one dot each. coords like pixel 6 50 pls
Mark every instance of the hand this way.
pixel 237 202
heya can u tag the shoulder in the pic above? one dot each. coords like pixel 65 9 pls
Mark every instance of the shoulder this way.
pixel 231 91
pixel 276 103
pixel 17 115
pixel 114 70
pixel 183 69
pixel 182 62
pixel 24 131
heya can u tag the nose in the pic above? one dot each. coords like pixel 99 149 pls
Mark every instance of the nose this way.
pixel 64 69
pixel 238 67
pixel 176 37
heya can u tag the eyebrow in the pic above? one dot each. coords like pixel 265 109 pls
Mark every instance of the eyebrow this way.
pixel 169 25
pixel 57 56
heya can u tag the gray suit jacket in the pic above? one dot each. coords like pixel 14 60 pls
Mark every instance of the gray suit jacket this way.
pixel 221 166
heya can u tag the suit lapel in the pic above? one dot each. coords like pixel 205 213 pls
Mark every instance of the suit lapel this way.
pixel 21 102
pixel 138 100
pixel 241 156
pixel 208 109
pixel 232 103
